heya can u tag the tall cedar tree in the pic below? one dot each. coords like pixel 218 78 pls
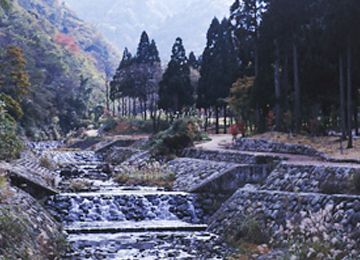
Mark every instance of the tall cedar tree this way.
pixel 137 77
pixel 176 91
pixel 218 71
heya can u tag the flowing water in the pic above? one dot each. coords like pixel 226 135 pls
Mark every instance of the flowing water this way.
pixel 114 222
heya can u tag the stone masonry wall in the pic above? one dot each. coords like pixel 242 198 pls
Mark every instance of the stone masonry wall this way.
pixel 310 178
pixel 265 145
pixel 228 156
pixel 336 216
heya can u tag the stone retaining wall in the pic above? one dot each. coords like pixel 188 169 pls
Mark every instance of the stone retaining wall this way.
pixel 335 216
pixel 118 155
pixel 265 145
pixel 44 145
pixel 192 172
pixel 311 178
pixel 228 156
pixel 195 175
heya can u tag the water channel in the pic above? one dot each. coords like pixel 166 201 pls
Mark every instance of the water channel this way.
pixel 109 221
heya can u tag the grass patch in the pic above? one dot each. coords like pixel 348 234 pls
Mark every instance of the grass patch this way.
pixel 151 174
pixel 79 185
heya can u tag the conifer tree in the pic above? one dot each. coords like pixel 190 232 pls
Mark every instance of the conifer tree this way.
pixel 176 91
pixel 219 69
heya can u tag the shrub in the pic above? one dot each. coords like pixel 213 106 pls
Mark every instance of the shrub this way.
pixel 123 125
pixel 46 163
pixel 180 135
pixel 4 187
pixel 109 124
pixel 10 143
pixel 247 228
pixel 151 173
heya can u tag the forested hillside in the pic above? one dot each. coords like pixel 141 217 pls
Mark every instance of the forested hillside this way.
pixel 61 62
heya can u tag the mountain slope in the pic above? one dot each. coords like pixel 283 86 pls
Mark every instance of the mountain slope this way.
pixel 65 62
pixel 123 21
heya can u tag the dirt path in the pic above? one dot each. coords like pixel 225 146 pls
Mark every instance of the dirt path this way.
pixel 219 142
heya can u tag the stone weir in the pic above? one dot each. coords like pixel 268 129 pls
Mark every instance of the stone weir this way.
pixel 116 222
pixel 125 211
pixel 135 224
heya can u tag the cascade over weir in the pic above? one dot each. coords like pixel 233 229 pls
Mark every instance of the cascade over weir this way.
pixel 108 221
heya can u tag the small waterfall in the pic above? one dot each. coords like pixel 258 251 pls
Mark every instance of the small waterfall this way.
pixel 126 206
pixel 111 222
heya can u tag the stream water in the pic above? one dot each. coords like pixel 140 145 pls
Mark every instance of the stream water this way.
pixel 113 222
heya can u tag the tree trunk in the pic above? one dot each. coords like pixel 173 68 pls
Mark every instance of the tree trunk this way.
pixel 141 108
pixel 107 95
pixel 297 90
pixel 285 83
pixel 113 113
pixel 277 87
pixel 206 120
pixel 258 118
pixel 129 107
pixel 342 97
pixel 134 107
pixel 349 110
pixel 217 120
pixel 123 113
pixel 145 108
pixel 225 123
pixel 356 122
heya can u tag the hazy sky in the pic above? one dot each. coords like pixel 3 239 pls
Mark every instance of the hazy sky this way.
pixel 122 21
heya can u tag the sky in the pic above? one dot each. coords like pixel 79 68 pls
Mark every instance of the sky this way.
pixel 122 21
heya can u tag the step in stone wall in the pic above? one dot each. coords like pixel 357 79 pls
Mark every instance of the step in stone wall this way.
pixel 311 178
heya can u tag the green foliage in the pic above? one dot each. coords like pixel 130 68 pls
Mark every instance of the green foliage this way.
pixel 218 67
pixel 4 187
pixel 246 228
pixel 180 135
pixel 64 67
pixel 176 91
pixel 137 76
pixel 124 125
pixel 239 100
pixel 109 124
pixel 10 143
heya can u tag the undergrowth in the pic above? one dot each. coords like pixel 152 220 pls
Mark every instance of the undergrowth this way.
pixel 150 174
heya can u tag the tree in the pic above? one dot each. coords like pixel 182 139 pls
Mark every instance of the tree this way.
pixel 136 78
pixel 239 100
pixel 4 5
pixel 10 143
pixel 245 20
pixel 14 82
pixel 219 70
pixel 176 91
